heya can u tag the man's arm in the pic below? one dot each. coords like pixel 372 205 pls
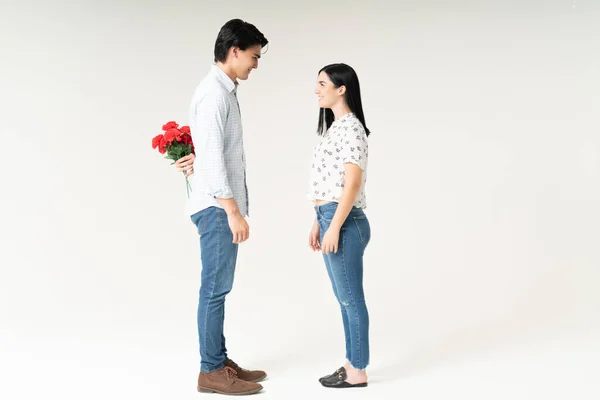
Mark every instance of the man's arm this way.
pixel 210 119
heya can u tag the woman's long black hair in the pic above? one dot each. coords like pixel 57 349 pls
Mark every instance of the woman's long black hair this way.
pixel 342 75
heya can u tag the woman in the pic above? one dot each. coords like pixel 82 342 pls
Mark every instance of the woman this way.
pixel 341 229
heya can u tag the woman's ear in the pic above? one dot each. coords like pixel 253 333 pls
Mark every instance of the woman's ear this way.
pixel 342 90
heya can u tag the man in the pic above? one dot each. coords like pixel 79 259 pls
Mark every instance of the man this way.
pixel 218 203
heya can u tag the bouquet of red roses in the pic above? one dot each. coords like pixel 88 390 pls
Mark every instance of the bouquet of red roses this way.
pixel 176 142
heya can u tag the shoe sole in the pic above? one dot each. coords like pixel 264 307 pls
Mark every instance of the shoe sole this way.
pixel 358 385
pixel 208 390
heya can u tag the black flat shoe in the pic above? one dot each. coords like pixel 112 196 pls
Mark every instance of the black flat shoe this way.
pixel 338 381
pixel 335 373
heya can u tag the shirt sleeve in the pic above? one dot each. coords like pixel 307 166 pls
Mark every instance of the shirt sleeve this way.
pixel 355 147
pixel 211 116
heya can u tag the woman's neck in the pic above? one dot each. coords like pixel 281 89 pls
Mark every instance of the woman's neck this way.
pixel 339 110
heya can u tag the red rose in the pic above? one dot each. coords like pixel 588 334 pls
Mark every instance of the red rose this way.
pixel 185 138
pixel 170 125
pixel 162 145
pixel 171 134
pixel 156 141
pixel 184 129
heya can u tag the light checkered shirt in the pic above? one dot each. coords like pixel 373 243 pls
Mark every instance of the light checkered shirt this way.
pixel 216 127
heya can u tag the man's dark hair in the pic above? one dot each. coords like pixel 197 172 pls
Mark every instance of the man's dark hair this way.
pixel 237 33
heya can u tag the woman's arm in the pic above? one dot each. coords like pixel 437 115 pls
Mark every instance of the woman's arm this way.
pixel 352 184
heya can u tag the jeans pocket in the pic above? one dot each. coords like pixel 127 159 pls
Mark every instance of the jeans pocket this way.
pixel 328 212
pixel 202 221
pixel 363 227
pixel 327 217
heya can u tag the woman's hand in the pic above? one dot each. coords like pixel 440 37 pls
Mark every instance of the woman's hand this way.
pixel 331 240
pixel 314 237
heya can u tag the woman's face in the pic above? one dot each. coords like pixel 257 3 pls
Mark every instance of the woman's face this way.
pixel 327 93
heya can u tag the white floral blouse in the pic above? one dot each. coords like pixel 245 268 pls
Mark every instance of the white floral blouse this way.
pixel 344 142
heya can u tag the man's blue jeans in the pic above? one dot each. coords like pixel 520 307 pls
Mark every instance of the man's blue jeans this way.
pixel 218 255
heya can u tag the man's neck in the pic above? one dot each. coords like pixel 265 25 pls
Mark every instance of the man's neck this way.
pixel 228 71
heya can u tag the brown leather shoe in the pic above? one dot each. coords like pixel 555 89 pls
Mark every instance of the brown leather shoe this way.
pixel 226 381
pixel 244 374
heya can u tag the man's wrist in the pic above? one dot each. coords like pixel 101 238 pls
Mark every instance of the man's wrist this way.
pixel 230 207
pixel 233 212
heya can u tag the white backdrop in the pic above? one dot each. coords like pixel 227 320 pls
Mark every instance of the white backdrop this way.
pixel 482 273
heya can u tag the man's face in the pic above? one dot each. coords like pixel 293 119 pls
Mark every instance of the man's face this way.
pixel 244 61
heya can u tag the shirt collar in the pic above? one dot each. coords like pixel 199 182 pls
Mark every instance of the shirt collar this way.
pixel 224 79
pixel 344 117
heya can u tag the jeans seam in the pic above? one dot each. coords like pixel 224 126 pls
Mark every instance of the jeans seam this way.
pixel 362 239
pixel 351 297
pixel 205 222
